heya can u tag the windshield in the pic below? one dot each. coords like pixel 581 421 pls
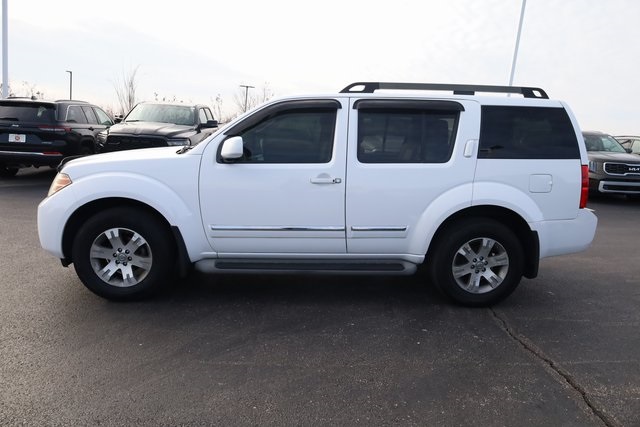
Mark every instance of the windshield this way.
pixel 177 114
pixel 603 143
pixel 30 112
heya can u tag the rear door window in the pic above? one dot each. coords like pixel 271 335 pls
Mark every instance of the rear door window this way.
pixel 407 132
pixel 88 112
pixel 76 115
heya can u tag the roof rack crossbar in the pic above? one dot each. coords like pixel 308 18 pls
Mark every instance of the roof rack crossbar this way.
pixel 370 87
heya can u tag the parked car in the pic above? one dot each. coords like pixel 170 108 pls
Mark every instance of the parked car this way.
pixel 630 143
pixel 612 170
pixel 151 124
pixel 478 189
pixel 42 133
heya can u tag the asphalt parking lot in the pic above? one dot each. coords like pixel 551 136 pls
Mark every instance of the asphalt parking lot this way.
pixel 564 349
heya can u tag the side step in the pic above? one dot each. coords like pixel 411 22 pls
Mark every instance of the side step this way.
pixel 288 266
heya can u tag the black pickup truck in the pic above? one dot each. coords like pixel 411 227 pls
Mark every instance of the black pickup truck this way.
pixel 158 125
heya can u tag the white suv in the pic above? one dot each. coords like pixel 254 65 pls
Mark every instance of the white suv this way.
pixel 377 179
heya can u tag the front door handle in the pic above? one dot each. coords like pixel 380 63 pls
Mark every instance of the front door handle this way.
pixel 325 179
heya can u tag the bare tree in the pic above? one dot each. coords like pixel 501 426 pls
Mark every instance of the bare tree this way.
pixel 219 111
pixel 126 90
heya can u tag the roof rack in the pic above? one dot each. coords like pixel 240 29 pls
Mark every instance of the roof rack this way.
pixel 370 87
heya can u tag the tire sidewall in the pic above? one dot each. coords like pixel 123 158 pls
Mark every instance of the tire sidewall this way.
pixel 457 235
pixel 151 229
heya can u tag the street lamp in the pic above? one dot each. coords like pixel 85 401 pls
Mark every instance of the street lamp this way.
pixel 70 84
pixel 246 95
pixel 5 49
pixel 515 52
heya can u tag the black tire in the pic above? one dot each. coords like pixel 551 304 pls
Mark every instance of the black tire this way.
pixel 491 270
pixel 134 249
pixel 7 172
pixel 86 150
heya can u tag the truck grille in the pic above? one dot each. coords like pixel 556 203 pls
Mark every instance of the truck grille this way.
pixel 622 169
pixel 125 142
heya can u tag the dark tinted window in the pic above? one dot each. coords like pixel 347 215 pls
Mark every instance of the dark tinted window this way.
pixel 75 115
pixel 103 118
pixel 295 136
pixel 88 112
pixel 405 136
pixel 602 142
pixel 27 112
pixel 527 133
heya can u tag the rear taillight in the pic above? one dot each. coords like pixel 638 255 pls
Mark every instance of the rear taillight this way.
pixel 57 129
pixel 584 190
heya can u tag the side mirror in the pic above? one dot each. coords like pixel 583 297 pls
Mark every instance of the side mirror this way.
pixel 232 148
pixel 209 124
pixel 117 119
pixel 628 150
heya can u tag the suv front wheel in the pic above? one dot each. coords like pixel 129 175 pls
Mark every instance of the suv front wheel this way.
pixel 123 254
pixel 477 263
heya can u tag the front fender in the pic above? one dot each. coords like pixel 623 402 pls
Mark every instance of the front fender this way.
pixel 179 209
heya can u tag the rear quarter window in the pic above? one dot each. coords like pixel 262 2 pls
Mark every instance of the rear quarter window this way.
pixel 527 133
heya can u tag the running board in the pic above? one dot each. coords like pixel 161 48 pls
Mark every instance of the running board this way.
pixel 280 266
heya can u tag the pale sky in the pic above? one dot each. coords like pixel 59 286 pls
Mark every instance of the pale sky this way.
pixel 585 52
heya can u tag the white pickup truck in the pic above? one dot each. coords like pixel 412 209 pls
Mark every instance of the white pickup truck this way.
pixel 377 179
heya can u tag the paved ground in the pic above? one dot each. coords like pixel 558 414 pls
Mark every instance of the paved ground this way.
pixel 564 349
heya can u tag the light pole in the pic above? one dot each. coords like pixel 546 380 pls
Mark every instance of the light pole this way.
pixel 5 49
pixel 246 95
pixel 515 52
pixel 70 84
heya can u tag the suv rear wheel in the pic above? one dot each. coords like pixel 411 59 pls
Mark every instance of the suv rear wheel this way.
pixel 123 254
pixel 478 262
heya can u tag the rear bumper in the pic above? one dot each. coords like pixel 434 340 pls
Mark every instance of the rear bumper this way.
pixel 567 236
pixel 35 158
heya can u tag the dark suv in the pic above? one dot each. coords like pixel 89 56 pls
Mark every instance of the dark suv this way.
pixel 42 133
pixel 152 124
pixel 611 168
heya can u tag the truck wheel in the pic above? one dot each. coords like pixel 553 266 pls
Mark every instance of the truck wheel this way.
pixel 477 263
pixel 123 254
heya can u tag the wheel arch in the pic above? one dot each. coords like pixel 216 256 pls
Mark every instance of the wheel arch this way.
pixel 527 237
pixel 89 209
pixel 89 143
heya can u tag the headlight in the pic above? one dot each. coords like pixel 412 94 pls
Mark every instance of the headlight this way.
pixel 59 182
pixel 593 166
pixel 178 141
pixel 101 138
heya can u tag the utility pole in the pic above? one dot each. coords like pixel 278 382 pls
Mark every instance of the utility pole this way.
pixel 70 84
pixel 515 52
pixel 5 49
pixel 246 95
